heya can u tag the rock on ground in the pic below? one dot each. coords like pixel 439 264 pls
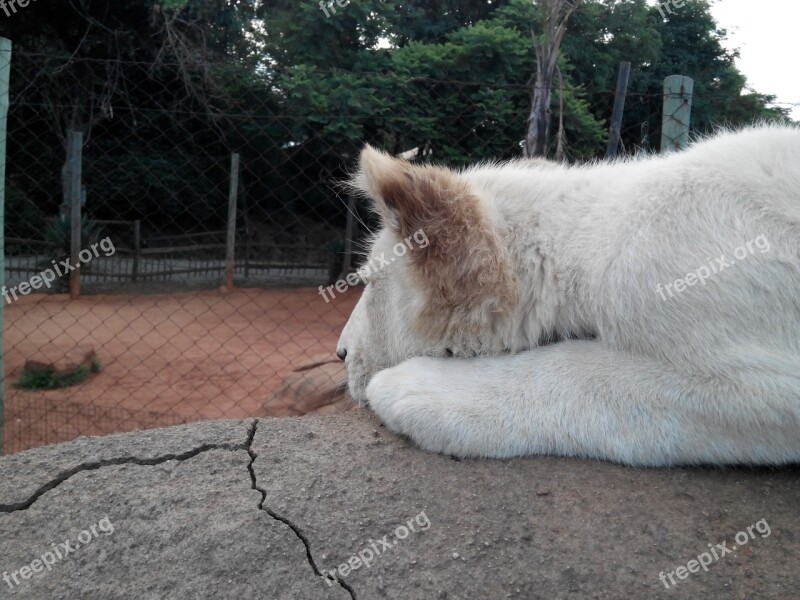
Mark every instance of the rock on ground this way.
pixel 319 387
pixel 257 509
pixel 61 361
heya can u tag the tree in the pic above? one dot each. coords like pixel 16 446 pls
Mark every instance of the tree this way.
pixel 166 89
pixel 688 42
pixel 94 66
pixel 555 16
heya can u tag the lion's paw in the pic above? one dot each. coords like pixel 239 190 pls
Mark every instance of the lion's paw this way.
pixel 437 417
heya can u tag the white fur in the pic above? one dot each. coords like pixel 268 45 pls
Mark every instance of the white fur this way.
pixel 711 375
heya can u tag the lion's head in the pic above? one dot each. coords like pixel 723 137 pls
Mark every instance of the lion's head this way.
pixel 438 277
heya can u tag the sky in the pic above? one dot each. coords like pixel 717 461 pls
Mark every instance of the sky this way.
pixel 766 33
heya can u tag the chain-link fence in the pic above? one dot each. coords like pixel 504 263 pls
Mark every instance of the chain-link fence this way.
pixel 155 337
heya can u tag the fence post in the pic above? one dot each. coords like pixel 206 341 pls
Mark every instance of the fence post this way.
pixel 347 264
pixel 5 77
pixel 232 194
pixel 247 231
pixel 677 112
pixel 75 157
pixel 619 109
pixel 137 249
pixel 246 254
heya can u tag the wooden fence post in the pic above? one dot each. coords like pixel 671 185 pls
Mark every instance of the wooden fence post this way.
pixel 619 109
pixel 5 77
pixel 677 112
pixel 75 157
pixel 233 192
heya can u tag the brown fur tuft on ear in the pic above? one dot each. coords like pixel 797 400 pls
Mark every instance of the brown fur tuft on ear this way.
pixel 374 167
pixel 465 268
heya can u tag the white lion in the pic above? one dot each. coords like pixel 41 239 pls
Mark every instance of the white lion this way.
pixel 645 312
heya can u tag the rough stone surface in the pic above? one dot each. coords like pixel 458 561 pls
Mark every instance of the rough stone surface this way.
pixel 24 473
pixel 537 527
pixel 188 527
pixel 255 509
pixel 62 362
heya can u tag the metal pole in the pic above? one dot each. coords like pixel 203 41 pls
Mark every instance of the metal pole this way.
pixel 137 249
pixel 5 78
pixel 75 150
pixel 619 109
pixel 246 220
pixel 347 264
pixel 232 195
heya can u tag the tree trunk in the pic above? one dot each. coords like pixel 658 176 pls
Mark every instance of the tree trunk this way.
pixel 63 210
pixel 556 13
pixel 539 119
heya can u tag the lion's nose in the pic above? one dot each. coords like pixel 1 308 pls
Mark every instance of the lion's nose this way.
pixel 342 354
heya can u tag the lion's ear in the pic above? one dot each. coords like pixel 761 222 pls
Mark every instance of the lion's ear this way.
pixel 377 173
pixel 409 196
pixel 465 265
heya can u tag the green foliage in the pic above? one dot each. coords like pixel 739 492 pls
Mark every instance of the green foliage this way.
pixel 297 92
pixel 463 89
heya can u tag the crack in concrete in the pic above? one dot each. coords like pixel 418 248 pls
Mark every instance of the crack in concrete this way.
pixel 134 460
pixel 130 460
pixel 297 531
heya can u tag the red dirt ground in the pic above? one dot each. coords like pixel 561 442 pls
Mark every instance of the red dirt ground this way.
pixel 165 359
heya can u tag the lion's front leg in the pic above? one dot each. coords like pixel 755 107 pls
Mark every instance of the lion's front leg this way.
pixel 448 406
pixel 577 398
